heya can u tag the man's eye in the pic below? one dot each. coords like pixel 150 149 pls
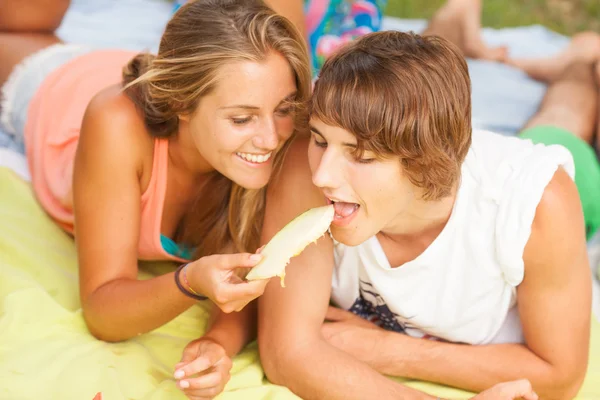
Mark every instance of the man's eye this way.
pixel 319 144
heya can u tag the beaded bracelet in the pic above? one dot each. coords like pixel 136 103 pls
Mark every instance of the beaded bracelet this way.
pixel 187 291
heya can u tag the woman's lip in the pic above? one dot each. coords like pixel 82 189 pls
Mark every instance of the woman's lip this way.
pixel 255 158
pixel 254 164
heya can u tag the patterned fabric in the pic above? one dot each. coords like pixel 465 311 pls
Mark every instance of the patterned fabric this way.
pixel 332 23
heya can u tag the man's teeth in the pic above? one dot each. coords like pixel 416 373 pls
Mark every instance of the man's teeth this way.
pixel 255 158
pixel 339 201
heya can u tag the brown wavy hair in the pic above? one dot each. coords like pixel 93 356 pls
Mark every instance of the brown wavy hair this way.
pixel 202 37
pixel 402 95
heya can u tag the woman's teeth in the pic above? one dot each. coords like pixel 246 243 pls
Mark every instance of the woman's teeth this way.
pixel 255 158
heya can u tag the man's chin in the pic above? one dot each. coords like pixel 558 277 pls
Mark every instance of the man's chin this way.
pixel 349 236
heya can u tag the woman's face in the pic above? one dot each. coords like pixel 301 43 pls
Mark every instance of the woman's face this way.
pixel 369 195
pixel 245 120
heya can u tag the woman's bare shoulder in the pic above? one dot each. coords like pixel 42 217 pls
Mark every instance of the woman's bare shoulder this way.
pixel 113 123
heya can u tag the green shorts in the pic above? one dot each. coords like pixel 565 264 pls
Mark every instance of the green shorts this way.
pixel 587 169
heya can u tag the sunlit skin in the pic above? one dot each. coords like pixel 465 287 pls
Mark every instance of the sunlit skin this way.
pixel 373 195
pixel 381 202
pixel 238 128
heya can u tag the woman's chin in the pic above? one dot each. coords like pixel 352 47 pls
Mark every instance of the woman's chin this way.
pixel 253 183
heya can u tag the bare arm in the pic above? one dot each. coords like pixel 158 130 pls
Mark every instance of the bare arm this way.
pixel 292 349
pixel 235 330
pixel 554 302
pixel 107 193
pixel 32 15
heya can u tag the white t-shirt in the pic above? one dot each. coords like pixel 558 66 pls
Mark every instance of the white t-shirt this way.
pixel 462 288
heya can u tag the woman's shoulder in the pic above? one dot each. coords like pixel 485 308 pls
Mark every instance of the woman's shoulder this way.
pixel 112 106
pixel 113 123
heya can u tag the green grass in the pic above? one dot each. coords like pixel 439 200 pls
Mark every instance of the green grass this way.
pixel 564 16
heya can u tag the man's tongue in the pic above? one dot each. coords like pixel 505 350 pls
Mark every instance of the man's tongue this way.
pixel 342 210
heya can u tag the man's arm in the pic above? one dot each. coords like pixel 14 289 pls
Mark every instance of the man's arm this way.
pixel 32 15
pixel 554 303
pixel 292 350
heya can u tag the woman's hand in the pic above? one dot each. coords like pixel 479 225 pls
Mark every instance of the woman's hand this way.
pixel 220 278
pixel 204 369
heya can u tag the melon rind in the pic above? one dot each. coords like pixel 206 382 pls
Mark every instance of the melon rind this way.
pixel 308 227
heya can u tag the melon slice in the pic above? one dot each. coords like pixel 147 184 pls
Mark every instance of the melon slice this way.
pixel 291 241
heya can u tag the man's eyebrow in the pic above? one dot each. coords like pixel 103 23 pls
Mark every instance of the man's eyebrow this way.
pixel 315 130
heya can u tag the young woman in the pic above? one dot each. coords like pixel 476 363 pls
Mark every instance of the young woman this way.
pixel 164 157
pixel 471 239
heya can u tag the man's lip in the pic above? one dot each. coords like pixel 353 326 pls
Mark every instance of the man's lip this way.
pixel 331 200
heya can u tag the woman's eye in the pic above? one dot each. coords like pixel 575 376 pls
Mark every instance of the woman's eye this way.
pixel 285 111
pixel 241 121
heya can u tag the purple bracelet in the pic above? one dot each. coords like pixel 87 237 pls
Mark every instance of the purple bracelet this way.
pixel 182 289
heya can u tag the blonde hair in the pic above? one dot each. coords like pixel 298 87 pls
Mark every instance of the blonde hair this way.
pixel 202 37
pixel 403 95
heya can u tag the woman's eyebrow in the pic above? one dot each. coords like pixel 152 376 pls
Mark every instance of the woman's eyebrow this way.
pixel 244 106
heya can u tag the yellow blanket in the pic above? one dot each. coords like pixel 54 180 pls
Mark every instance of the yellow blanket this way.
pixel 46 351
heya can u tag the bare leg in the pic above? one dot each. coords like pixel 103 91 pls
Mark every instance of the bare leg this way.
pixel 32 15
pixel 571 102
pixel 584 47
pixel 459 21
pixel 15 47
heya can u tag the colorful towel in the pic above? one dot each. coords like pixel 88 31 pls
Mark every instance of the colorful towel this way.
pixel 333 23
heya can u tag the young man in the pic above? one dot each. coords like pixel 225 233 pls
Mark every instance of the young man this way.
pixel 471 238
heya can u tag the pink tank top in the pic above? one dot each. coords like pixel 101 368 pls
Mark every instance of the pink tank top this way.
pixel 52 133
